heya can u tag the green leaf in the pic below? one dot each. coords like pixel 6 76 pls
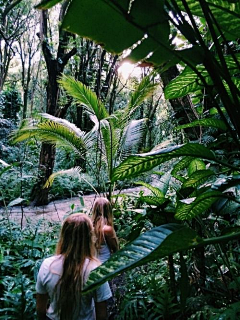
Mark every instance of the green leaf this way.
pixel 49 182
pixel 190 208
pixel 211 123
pixel 53 130
pixel 195 165
pixel 187 82
pixel 94 18
pixel 226 13
pixel 136 164
pixel 47 4
pixel 15 202
pixel 197 178
pixel 182 164
pixel 152 200
pixel 156 191
pixel 84 96
pixel 151 245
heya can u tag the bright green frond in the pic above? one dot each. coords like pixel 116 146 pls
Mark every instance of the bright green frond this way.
pixel 84 96
pixel 55 130
pixel 49 182
pixel 143 91
pixel 132 137
pixel 155 191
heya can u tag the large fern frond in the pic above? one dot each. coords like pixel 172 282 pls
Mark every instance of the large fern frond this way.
pixel 84 96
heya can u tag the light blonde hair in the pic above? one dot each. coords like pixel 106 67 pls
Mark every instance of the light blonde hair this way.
pixel 101 215
pixel 75 245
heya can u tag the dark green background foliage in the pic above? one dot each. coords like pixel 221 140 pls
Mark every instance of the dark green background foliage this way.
pixel 21 254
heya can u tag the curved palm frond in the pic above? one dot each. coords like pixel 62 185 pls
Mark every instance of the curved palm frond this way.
pixel 132 137
pixel 84 96
pixel 74 171
pixel 143 91
pixel 53 130
pixel 49 182
pixel 109 142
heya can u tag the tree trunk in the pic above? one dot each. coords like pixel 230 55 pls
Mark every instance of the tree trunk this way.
pixel 55 68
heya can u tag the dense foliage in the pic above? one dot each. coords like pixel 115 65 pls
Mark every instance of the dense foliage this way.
pixel 180 240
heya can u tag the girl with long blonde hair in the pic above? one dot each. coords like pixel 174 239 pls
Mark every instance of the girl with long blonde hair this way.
pixel 106 239
pixel 61 277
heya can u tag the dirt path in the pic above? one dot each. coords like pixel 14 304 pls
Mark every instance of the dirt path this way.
pixel 55 210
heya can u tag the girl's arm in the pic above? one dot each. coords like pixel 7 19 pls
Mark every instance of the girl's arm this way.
pixel 42 301
pixel 111 238
pixel 101 310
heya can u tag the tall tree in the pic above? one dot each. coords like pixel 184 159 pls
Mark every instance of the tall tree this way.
pixel 55 64
pixel 13 17
pixel 27 47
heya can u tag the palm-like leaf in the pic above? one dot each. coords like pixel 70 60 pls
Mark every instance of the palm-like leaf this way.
pixel 53 130
pixel 108 142
pixel 74 171
pixel 84 96
pixel 143 91
pixel 132 137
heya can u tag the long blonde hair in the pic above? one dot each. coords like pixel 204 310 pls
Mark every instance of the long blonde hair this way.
pixel 101 215
pixel 75 245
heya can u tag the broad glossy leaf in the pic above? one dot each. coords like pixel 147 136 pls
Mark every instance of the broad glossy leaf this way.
pixel 199 206
pixel 136 164
pixel 153 200
pixel 211 123
pixel 187 82
pixel 195 165
pixel 104 22
pixel 94 18
pixel 181 165
pixel 155 191
pixel 197 178
pixel 152 245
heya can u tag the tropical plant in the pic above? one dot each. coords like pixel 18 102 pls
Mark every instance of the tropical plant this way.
pixel 114 136
pixel 208 173
pixel 209 55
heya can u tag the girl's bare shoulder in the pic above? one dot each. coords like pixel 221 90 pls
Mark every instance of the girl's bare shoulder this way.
pixel 109 231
